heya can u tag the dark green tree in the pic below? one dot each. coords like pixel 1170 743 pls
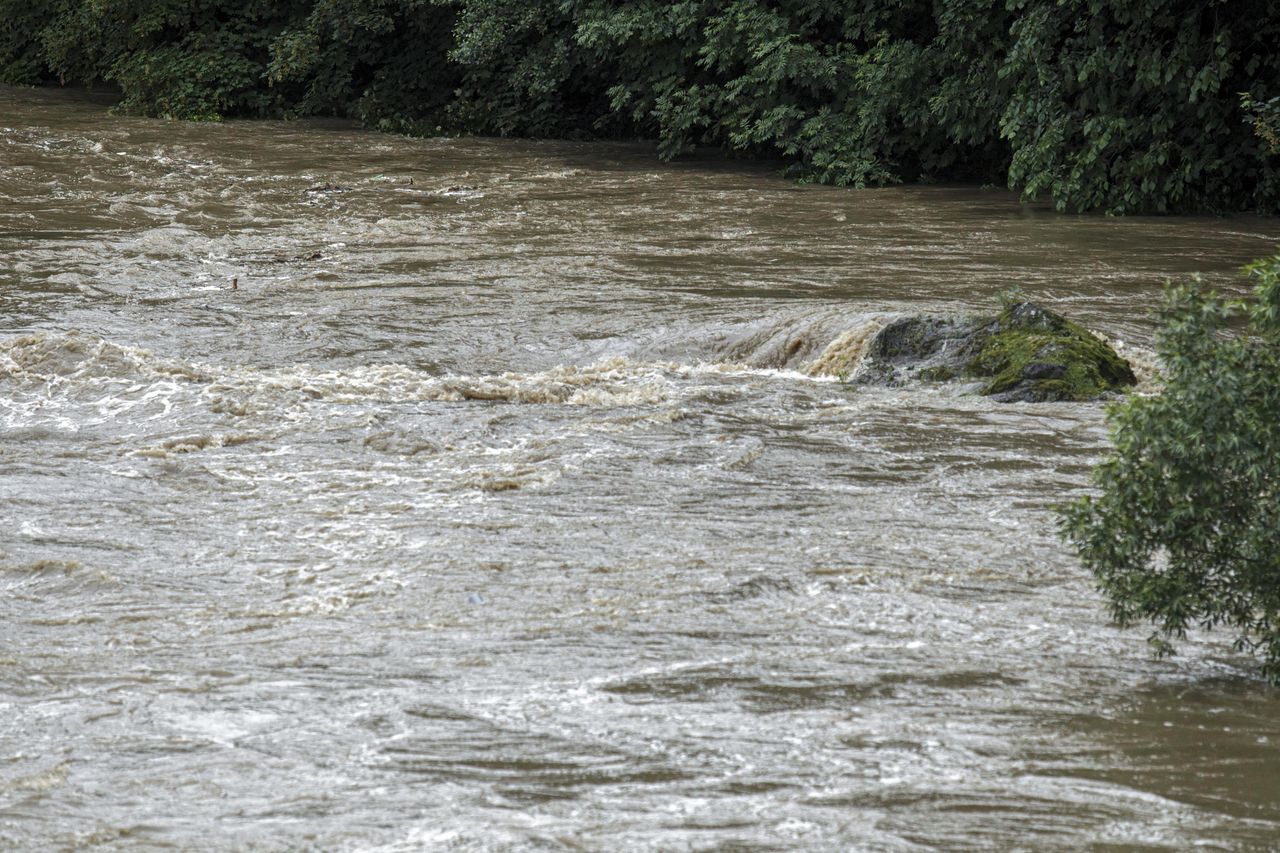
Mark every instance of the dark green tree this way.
pixel 380 61
pixel 522 73
pixel 22 59
pixel 1185 528
pixel 191 59
pixel 1132 106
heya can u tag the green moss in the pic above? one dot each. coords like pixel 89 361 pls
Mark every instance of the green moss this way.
pixel 937 374
pixel 1033 355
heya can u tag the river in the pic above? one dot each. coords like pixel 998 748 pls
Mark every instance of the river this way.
pixel 509 501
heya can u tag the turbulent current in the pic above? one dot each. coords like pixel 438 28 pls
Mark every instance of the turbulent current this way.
pixel 370 493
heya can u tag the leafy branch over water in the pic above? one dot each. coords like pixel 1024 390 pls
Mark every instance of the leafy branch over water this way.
pixel 1146 105
pixel 1186 528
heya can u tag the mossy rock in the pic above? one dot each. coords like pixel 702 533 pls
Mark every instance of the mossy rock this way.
pixel 1034 355
pixel 1023 354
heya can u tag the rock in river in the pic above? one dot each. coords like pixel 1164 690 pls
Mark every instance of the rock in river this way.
pixel 1023 354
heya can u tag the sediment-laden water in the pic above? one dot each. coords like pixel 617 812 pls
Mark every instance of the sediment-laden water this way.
pixel 512 500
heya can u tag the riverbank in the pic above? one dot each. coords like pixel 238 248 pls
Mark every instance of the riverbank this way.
pixel 875 94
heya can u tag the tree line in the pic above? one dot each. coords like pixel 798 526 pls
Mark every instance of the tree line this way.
pixel 1127 106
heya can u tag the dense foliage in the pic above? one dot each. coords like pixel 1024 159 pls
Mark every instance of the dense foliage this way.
pixel 1186 527
pixel 1139 105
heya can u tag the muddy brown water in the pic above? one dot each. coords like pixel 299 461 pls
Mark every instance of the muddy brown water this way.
pixel 509 502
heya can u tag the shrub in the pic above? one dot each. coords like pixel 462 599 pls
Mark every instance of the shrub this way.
pixel 1185 529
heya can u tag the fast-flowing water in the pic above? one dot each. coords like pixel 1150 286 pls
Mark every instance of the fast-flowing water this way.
pixel 511 498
